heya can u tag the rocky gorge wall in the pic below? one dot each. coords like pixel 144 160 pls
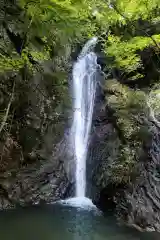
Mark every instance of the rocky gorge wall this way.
pixel 33 164
pixel 123 158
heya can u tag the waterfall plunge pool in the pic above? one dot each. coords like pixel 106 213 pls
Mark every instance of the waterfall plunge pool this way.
pixel 60 221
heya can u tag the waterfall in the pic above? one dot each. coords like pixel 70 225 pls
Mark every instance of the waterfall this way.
pixel 84 89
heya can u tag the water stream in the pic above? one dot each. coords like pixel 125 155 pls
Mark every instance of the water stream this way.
pixel 84 89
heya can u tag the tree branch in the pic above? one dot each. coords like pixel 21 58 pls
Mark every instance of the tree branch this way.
pixel 117 10
pixel 7 110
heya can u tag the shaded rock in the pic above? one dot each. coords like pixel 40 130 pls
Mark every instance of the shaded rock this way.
pixel 142 199
pixel 122 180
pixel 34 153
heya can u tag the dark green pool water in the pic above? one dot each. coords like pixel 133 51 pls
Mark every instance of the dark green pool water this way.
pixel 63 222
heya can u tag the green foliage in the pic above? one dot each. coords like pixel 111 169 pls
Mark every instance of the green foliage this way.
pixel 58 23
pixel 57 20
pixel 128 105
pixel 130 26
pixel 125 52
pixel 45 27
pixel 154 101
pixel 129 110
pixel 7 63
pixel 136 9
pixel 124 168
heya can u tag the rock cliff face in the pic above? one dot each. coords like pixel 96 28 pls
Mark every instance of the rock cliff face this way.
pixel 142 199
pixel 126 185
pixel 33 161
pixel 136 203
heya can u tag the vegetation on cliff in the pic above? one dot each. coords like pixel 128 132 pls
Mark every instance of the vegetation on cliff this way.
pixel 132 48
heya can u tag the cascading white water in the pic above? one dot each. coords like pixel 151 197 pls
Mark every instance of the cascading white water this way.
pixel 84 89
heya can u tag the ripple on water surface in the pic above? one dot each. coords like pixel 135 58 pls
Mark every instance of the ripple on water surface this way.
pixel 72 219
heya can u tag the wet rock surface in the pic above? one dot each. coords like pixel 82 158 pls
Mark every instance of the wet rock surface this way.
pixel 33 161
pixel 135 202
